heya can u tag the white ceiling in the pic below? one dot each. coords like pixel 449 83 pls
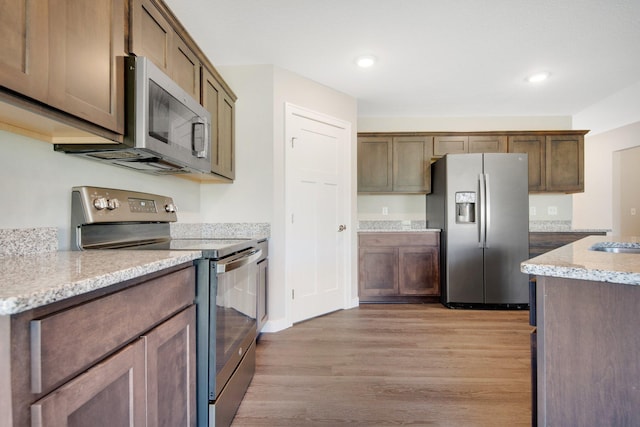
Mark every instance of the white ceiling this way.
pixel 435 58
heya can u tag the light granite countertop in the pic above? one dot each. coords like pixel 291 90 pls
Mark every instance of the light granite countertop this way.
pixel 374 226
pixel 398 230
pixel 30 281
pixel 421 225
pixel 33 273
pixel 576 261
pixel 560 227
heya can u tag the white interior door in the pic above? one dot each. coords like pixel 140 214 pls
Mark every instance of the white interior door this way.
pixel 317 246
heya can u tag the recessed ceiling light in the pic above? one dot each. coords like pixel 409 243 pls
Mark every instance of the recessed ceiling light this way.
pixel 538 77
pixel 365 61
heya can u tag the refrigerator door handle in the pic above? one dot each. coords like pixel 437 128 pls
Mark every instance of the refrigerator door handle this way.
pixel 481 212
pixel 487 210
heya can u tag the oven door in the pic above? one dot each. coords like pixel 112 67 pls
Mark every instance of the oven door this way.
pixel 235 307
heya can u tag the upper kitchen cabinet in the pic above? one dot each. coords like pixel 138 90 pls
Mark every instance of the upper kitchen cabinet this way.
pixel 487 144
pixel 447 144
pixel 158 35
pixel 86 72
pixel 375 167
pixel 155 37
pixel 221 106
pixel 535 147
pixel 67 55
pixel 458 144
pixel 565 163
pixel 411 164
pixel 394 164
pixel 24 67
pixel 556 160
pixel 398 161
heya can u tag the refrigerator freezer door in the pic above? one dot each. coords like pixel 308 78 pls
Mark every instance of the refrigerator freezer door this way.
pixel 507 238
pixel 464 254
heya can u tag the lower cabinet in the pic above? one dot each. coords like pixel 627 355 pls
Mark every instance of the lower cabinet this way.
pixel 171 371
pixel 153 373
pixel 111 393
pixel 125 357
pixel 398 266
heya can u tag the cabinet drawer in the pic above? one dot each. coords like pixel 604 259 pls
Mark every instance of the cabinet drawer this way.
pixel 113 390
pixel 399 239
pixel 66 343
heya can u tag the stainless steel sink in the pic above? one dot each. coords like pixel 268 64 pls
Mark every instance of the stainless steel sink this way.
pixel 617 247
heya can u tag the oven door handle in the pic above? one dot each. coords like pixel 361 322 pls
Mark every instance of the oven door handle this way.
pixel 234 263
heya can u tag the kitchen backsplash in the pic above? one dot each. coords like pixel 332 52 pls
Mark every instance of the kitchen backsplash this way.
pixel 221 230
pixel 400 225
pixel 406 225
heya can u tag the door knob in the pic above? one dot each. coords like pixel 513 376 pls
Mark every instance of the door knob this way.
pixel 342 227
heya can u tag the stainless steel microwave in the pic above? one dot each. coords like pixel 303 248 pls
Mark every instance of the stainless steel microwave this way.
pixel 166 130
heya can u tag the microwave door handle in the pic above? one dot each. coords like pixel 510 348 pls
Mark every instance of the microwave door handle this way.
pixel 199 137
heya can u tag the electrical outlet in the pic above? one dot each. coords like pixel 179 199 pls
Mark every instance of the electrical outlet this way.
pixel 385 210
pixel 532 211
pixel 633 211
pixel 552 210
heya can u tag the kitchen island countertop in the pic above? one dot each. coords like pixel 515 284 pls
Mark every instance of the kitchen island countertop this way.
pixel 576 261
pixel 31 281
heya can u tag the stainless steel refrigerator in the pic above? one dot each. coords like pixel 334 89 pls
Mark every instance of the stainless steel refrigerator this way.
pixel 481 204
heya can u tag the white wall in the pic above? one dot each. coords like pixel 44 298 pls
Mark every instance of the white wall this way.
pixel 615 125
pixel 413 207
pixel 461 124
pixel 617 110
pixel 595 207
pixel 263 91
pixel 250 197
pixel 626 197
pixel 398 207
pixel 36 182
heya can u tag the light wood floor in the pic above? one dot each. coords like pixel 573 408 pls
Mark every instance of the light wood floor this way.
pixel 389 365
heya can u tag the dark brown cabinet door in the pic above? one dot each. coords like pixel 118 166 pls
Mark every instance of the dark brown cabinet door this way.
pixel 535 148
pixel 460 144
pixel 565 163
pixel 184 68
pixel 411 164
pixel 419 270
pixel 24 65
pixel 154 37
pixel 450 144
pixel 109 394
pixel 222 109
pixel 378 271
pixel 171 390
pixel 150 34
pixel 375 164
pixel 86 73
pixel 394 267
pixel 487 144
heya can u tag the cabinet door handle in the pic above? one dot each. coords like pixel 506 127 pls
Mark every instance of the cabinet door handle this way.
pixel 342 227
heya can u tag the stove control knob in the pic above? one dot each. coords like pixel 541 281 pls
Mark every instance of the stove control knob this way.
pixel 113 204
pixel 170 207
pixel 100 203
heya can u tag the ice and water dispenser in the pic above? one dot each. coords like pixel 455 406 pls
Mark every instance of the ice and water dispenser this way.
pixel 465 207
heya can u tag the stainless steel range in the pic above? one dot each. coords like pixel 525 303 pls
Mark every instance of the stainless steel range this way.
pixel 227 275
